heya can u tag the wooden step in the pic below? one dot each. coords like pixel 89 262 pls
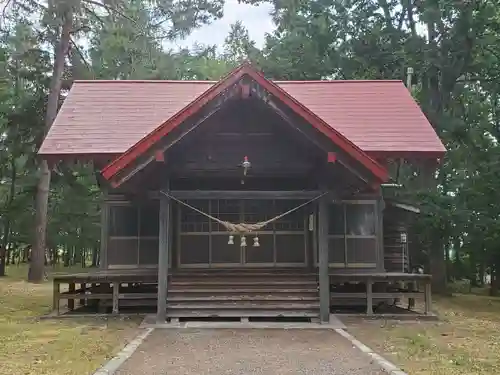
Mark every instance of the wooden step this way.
pixel 241 313
pixel 256 297
pixel 243 280
pixel 246 274
pixel 244 305
pixel 236 283
pixel 237 291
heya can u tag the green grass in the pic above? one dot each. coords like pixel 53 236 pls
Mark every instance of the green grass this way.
pixel 464 342
pixel 67 346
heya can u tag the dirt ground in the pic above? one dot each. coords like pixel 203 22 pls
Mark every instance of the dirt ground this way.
pixel 263 352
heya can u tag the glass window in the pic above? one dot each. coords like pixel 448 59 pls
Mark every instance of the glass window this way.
pixel 336 250
pixel 150 221
pixel 360 219
pixel 336 219
pixel 361 250
pixel 123 221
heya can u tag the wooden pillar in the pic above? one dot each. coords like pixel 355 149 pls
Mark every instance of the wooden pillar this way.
pixel 380 207
pixel 103 256
pixel 324 278
pixel 55 296
pixel 71 301
pixel 428 297
pixel 163 257
pixel 369 297
pixel 116 291
pixel 83 287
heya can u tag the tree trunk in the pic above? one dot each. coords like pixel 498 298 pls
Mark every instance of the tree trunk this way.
pixel 494 282
pixel 447 265
pixel 482 274
pixel 438 269
pixel 495 279
pixel 3 258
pixel 67 255
pixel 36 271
pixel 95 256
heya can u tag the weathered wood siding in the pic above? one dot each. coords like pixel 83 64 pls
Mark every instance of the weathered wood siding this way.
pixel 396 251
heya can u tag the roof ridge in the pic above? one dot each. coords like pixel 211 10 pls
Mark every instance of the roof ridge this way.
pixel 279 82
pixel 140 81
pixel 342 81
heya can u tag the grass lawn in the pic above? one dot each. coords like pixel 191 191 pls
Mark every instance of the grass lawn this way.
pixel 56 347
pixel 466 341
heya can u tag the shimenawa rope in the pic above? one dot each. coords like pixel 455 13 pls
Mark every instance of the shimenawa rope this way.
pixel 242 228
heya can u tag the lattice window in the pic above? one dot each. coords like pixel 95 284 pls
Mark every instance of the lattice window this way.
pixel 192 221
pixel 353 234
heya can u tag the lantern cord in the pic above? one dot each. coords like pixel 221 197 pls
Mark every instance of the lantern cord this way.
pixel 243 227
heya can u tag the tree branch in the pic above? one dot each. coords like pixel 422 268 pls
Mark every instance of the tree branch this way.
pixel 110 10
pixel 80 53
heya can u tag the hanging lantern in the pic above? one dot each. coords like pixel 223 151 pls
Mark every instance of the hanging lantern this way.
pixel 231 240
pixel 404 237
pixel 246 165
pixel 243 242
pixel 256 241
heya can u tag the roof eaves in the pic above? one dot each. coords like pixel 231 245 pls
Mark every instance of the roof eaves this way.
pixel 144 144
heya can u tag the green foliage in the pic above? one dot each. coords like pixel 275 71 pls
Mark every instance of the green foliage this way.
pixel 451 45
pixel 117 39
pixel 453 49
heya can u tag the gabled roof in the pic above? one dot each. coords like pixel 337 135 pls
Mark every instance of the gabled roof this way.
pixel 108 117
pixel 245 70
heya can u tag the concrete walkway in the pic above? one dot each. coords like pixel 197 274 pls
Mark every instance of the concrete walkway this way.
pixel 191 351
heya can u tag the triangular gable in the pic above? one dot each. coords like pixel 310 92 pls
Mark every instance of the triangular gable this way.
pixel 149 141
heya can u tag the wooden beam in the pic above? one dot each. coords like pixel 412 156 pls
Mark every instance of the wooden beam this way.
pixel 245 90
pixel 103 256
pixel 160 156
pixel 236 194
pixel 161 314
pixel 324 279
pixel 128 175
pixel 116 183
pixel 290 122
pixel 332 157
pixel 55 296
pixel 428 298
pixel 116 295
pixel 379 207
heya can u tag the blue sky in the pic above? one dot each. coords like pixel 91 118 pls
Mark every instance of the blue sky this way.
pixel 255 18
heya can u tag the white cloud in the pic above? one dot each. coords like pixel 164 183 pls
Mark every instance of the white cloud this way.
pixel 256 19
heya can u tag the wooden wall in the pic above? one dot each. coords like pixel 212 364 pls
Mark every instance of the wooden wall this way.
pixel 282 158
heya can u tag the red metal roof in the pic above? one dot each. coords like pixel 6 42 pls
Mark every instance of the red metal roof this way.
pixel 225 83
pixel 109 117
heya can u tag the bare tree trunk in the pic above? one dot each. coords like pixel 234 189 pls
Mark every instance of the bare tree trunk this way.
pixel 36 271
pixel 95 256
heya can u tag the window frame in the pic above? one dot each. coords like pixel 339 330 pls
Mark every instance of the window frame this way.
pixel 344 204
pixel 137 239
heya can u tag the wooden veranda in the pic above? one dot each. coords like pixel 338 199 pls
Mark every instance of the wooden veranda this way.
pixel 250 293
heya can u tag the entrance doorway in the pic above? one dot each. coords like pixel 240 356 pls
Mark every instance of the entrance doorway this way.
pixel 204 243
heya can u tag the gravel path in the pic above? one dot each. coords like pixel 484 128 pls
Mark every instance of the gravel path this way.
pixel 235 352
